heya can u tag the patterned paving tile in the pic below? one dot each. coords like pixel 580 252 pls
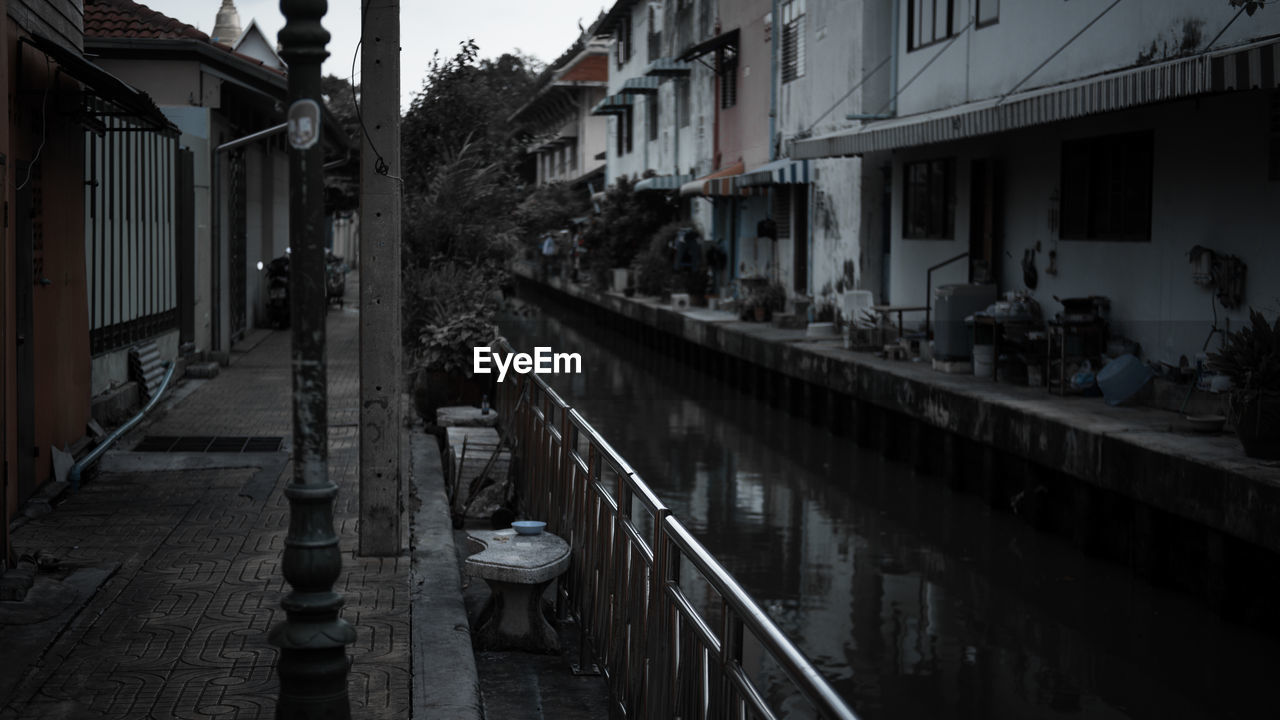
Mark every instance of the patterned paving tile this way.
pixel 180 630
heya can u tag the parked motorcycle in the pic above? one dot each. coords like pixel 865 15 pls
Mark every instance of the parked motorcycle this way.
pixel 278 292
pixel 335 278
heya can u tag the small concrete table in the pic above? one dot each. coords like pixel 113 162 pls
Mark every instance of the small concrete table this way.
pixel 518 569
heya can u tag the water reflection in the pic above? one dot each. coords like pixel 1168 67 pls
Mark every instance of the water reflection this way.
pixel 915 602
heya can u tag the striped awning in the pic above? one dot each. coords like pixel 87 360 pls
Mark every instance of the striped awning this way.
pixel 613 105
pixel 647 85
pixel 779 172
pixel 662 182
pixel 668 67
pixel 1255 66
pixel 718 183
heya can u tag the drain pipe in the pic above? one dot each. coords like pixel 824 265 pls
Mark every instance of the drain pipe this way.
pixel 92 457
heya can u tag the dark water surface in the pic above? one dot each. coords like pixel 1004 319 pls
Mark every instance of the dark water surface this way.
pixel 912 600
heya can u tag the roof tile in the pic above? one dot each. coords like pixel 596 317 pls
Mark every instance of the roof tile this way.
pixel 128 19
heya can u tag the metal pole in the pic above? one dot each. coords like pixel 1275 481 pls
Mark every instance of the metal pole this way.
pixel 313 638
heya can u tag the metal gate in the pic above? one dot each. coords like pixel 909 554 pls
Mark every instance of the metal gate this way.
pixel 130 261
pixel 239 242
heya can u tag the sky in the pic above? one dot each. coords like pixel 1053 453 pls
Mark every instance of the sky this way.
pixel 541 28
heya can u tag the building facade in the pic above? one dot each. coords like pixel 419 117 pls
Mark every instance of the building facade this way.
pixel 1080 149
pixel 566 141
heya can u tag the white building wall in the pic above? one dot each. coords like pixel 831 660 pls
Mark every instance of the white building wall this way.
pixel 989 61
pixel 632 164
pixel 1209 189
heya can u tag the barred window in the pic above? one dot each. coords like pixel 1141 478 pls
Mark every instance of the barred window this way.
pixel 727 67
pixel 1106 188
pixel 792 40
pixel 929 199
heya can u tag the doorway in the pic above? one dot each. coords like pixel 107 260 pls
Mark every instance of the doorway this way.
pixel 986 219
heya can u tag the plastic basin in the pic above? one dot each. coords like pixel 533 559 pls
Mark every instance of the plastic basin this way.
pixel 1122 378
pixel 528 527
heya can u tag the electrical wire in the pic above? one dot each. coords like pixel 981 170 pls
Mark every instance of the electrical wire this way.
pixel 44 125
pixel 1046 61
pixel 379 163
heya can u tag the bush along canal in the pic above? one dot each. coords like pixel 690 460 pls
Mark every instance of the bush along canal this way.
pixel 918 585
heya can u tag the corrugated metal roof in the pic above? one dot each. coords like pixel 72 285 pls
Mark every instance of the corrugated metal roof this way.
pixel 779 172
pixel 646 85
pixel 662 182
pixel 1252 67
pixel 668 67
pixel 613 104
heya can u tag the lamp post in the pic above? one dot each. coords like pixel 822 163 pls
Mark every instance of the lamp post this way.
pixel 313 637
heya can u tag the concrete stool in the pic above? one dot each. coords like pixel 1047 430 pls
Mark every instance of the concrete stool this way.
pixel 518 569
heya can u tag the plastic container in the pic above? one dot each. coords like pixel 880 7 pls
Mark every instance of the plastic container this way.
pixel 1122 378
pixel 984 360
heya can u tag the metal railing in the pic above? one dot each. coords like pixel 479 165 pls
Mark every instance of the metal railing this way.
pixel 638 577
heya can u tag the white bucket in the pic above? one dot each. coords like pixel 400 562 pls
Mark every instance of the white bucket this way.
pixel 984 359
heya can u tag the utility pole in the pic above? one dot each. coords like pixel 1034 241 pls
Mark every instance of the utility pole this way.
pixel 380 371
pixel 313 638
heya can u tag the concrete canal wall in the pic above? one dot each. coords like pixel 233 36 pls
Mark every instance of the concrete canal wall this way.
pixel 1180 508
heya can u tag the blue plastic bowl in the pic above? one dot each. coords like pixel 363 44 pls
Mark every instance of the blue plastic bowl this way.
pixel 528 527
pixel 1122 378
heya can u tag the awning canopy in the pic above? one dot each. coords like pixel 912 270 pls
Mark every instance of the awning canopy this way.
pixel 785 171
pixel 724 39
pixel 613 105
pixel 719 182
pixel 647 85
pixel 662 182
pixel 668 67
pixel 1256 66
pixel 132 103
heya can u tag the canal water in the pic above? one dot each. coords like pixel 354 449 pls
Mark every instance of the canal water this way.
pixel 912 600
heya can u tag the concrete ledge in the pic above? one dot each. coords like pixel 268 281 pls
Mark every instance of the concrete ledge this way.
pixel 1131 451
pixel 445 682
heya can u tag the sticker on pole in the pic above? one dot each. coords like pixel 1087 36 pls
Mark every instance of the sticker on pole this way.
pixel 304 124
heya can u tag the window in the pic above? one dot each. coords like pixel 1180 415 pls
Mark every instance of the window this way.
pixel 929 199
pixel 929 21
pixel 988 12
pixel 727 67
pixel 655 36
pixel 631 130
pixel 684 107
pixel 624 132
pixel 573 156
pixel 1106 188
pixel 651 110
pixel 792 40
pixel 623 42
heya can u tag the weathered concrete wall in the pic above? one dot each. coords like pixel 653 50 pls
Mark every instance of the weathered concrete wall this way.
pixel 744 128
pixel 1203 480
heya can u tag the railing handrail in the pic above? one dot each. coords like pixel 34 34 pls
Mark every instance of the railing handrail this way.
pixel 667 529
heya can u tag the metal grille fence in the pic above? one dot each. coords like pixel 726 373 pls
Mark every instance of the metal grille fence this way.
pixel 672 631
pixel 130 230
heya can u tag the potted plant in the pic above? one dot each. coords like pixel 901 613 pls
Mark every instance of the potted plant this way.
pixel 445 355
pixel 764 300
pixel 1250 356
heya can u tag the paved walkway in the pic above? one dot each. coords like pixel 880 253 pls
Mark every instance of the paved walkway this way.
pixel 179 629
